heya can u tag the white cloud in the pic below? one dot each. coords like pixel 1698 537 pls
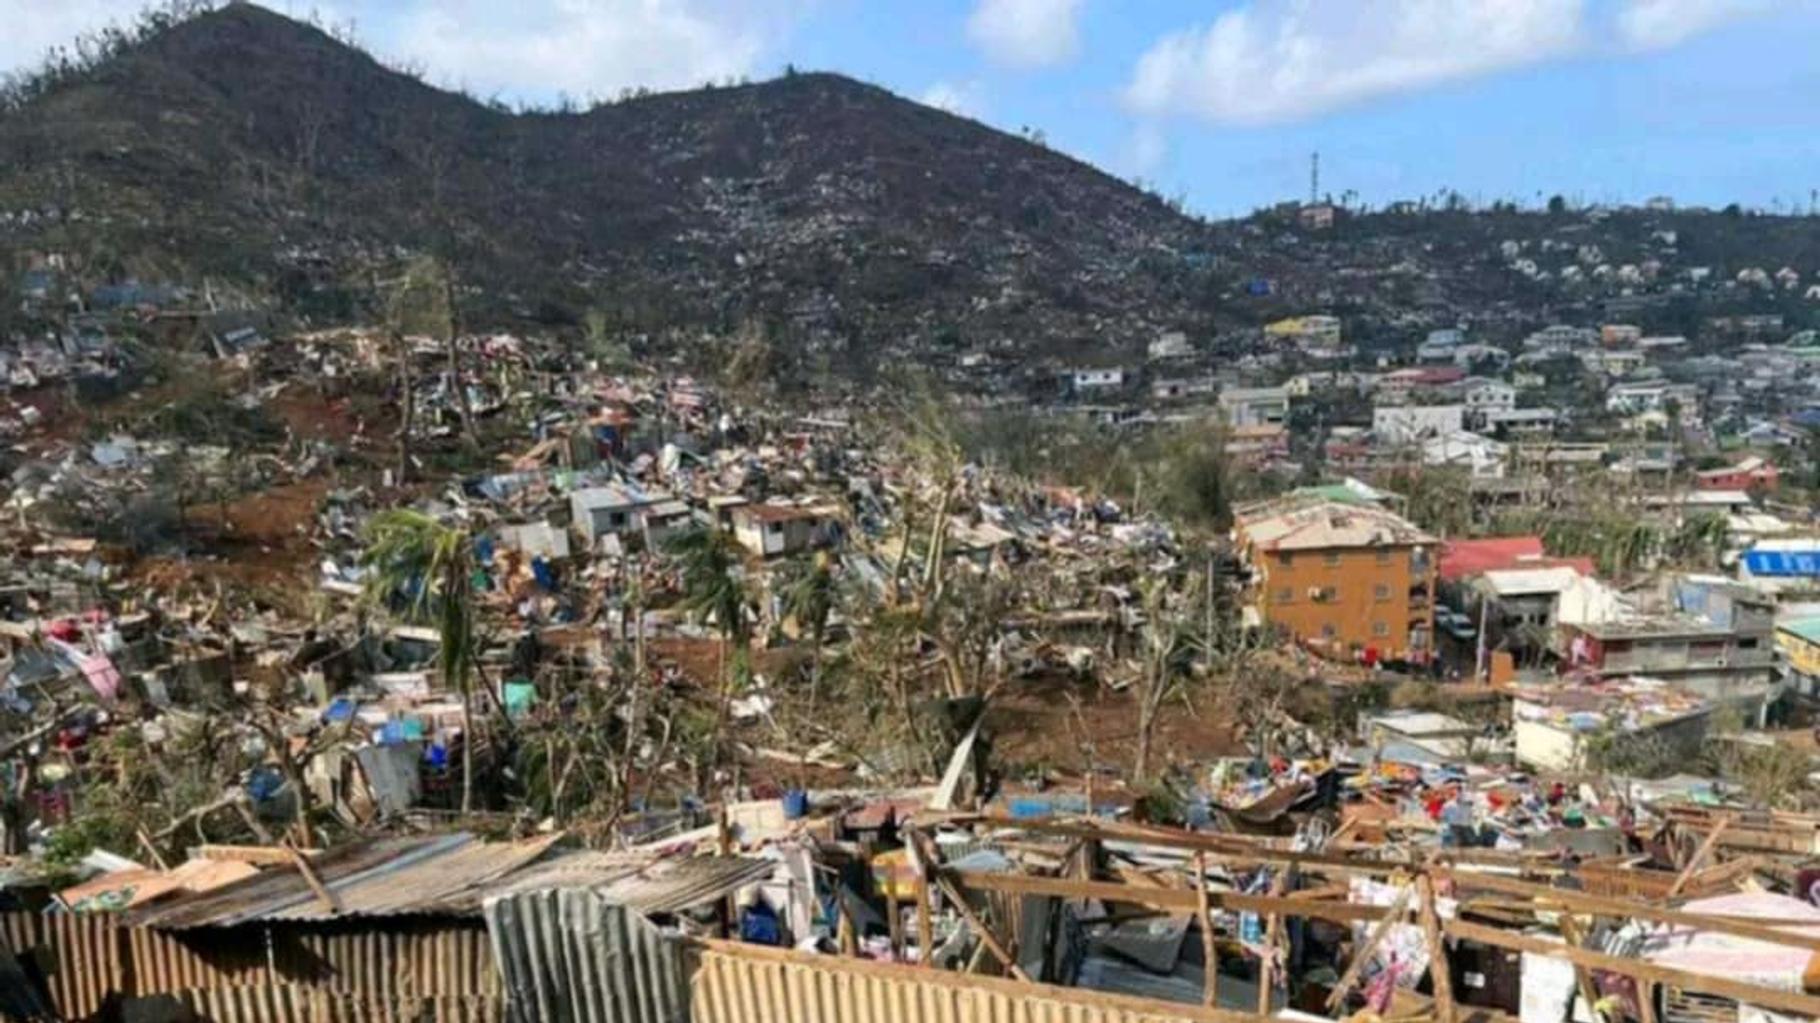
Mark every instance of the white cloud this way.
pixel 1659 24
pixel 34 26
pixel 963 98
pixel 1277 61
pixel 590 47
pixel 1026 33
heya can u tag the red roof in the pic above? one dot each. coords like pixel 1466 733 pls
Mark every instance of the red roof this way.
pixel 1464 558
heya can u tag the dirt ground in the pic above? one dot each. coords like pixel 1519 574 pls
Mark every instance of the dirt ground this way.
pixel 262 543
pixel 1036 725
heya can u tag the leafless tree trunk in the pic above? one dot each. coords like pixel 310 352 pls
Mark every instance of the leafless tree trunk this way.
pixel 453 342
pixel 406 405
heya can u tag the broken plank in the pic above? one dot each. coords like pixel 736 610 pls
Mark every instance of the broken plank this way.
pixel 1769 998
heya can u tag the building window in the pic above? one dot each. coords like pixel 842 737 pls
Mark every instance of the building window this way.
pixel 1286 595
pixel 1331 558
pixel 1383 555
pixel 1748 643
pixel 1380 629
pixel 1380 592
pixel 1327 631
pixel 1286 559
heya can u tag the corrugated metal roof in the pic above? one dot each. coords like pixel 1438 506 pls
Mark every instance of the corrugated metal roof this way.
pixel 447 879
pixel 389 877
pixel 451 874
pixel 649 886
pixel 572 956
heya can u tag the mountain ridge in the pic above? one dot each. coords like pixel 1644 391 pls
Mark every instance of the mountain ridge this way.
pixel 242 145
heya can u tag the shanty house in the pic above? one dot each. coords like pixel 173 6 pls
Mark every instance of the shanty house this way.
pixel 770 530
pixel 612 510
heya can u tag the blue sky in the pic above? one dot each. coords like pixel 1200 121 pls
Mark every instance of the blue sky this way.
pixel 1710 101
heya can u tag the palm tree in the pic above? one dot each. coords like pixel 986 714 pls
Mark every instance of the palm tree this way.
pixel 1168 657
pixel 810 594
pixel 713 591
pixel 1167 652
pixel 431 566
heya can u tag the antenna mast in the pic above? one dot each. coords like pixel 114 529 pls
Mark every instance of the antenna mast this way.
pixel 1314 177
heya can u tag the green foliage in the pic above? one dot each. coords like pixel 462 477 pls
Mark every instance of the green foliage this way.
pixel 425 568
pixel 713 590
pixel 810 592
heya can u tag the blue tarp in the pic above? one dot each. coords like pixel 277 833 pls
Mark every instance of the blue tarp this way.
pixel 1783 563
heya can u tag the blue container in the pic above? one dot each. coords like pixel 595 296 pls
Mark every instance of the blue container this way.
pixel 796 805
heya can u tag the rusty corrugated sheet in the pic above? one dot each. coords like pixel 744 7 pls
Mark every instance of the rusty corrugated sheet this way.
pixel 443 880
pixel 158 962
pixel 647 885
pixel 424 960
pixel 79 957
pixel 291 1003
pixel 90 959
pixel 273 892
pixel 745 984
pixel 570 956
pixel 441 874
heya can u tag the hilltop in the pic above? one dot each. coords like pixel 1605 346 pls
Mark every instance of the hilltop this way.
pixel 287 169
pixel 250 148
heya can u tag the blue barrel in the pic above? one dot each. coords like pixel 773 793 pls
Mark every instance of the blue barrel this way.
pixel 796 805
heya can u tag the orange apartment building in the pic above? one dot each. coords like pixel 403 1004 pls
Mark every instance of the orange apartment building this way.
pixel 1352 580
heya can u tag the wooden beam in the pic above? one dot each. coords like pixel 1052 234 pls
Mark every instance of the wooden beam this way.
pixel 1219 848
pixel 1589 992
pixel 323 895
pixel 986 935
pixel 1604 905
pixel 925 932
pixel 1438 969
pixel 1173 899
pixel 258 855
pixel 1769 998
pixel 1646 1000
pixel 1699 857
pixel 1354 969
pixel 1266 962
pixel 1210 953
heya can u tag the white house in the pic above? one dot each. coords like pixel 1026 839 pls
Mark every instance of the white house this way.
pixel 1521 420
pixel 1406 424
pixel 1652 396
pixel 1172 345
pixel 1104 378
pixel 1483 457
pixel 1254 406
pixel 1483 394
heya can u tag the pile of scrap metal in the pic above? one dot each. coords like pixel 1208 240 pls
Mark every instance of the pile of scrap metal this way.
pixel 390 927
pixel 876 906
pixel 1331 929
